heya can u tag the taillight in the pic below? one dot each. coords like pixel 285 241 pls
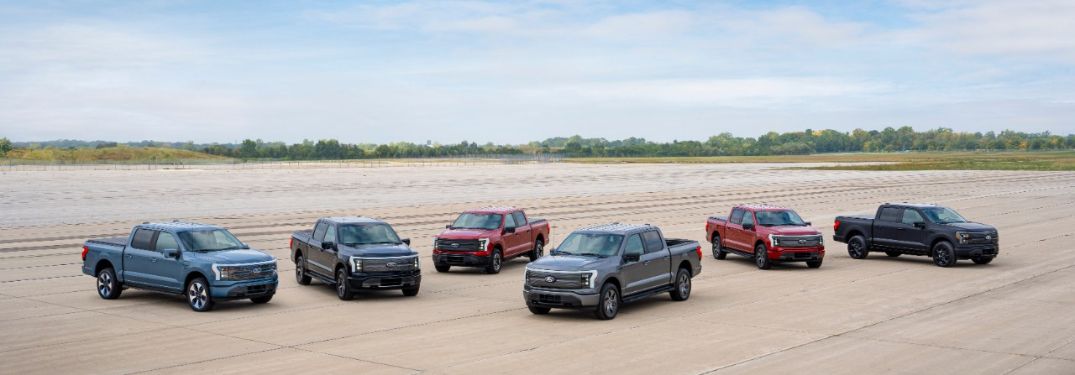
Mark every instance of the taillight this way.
pixel 835 225
pixel 85 250
pixel 699 250
pixel 291 243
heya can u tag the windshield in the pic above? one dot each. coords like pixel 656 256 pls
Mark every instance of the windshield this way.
pixel 943 215
pixel 209 240
pixel 590 244
pixel 368 234
pixel 477 221
pixel 777 218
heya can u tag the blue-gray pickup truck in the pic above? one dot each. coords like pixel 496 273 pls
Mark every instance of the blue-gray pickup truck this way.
pixel 603 266
pixel 205 263
pixel 353 253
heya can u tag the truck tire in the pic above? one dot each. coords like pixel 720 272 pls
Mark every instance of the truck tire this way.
pixel 199 296
pixel 981 260
pixel 300 271
pixel 814 263
pixel 539 250
pixel 442 267
pixel 856 247
pixel 761 257
pixel 262 299
pixel 496 261
pixel 608 302
pixel 538 310
pixel 718 250
pixel 943 254
pixel 108 287
pixel 682 289
pixel 343 288
pixel 411 291
pixel 893 253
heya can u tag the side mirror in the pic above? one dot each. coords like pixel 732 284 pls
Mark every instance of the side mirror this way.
pixel 245 246
pixel 632 257
pixel 509 230
pixel 171 253
pixel 920 225
pixel 406 241
pixel 748 226
pixel 447 226
pixel 327 245
pixel 809 223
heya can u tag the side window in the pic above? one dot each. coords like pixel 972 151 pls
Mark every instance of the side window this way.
pixel 654 243
pixel 319 231
pixel 634 245
pixel 737 216
pixel 509 221
pixel 890 214
pixel 166 241
pixel 748 218
pixel 143 239
pixel 911 216
pixel 520 219
pixel 330 234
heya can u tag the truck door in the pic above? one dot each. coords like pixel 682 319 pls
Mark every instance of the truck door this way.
pixel 734 230
pixel 634 273
pixel 747 236
pixel 913 236
pixel 139 257
pixel 169 270
pixel 511 239
pixel 318 259
pixel 887 226
pixel 657 260
pixel 525 232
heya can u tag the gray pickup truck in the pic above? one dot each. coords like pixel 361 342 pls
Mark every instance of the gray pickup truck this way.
pixel 206 263
pixel 602 267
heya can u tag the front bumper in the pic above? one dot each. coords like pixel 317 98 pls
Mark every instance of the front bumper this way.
pixel 977 250
pixel 224 290
pixel 461 259
pixel 385 280
pixel 797 254
pixel 562 299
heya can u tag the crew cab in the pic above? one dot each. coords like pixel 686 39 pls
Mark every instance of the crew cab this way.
pixel 354 253
pixel 205 263
pixel 767 234
pixel 602 267
pixel 918 229
pixel 489 236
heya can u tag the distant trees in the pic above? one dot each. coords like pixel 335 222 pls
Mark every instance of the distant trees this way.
pixel 5 146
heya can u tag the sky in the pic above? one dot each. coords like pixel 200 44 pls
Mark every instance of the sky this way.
pixel 519 71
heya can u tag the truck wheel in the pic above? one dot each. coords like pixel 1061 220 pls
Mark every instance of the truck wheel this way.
pixel 538 310
pixel 411 291
pixel 442 267
pixel 718 250
pixel 814 263
pixel 343 288
pixel 893 254
pixel 495 262
pixel 761 257
pixel 943 254
pixel 198 295
pixel 262 299
pixel 107 285
pixel 608 302
pixel 982 260
pixel 539 250
pixel 300 271
pixel 856 247
pixel 682 289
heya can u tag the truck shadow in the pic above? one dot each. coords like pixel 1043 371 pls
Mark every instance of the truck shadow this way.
pixel 748 262
pixel 656 304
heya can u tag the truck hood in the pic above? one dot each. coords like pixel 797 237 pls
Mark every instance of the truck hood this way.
pixel 466 234
pixel 230 256
pixel 565 263
pixel 379 250
pixel 792 230
pixel 973 227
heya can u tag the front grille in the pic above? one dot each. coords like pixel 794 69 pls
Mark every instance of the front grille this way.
pixel 983 238
pixel 550 299
pixel 257 289
pixel 798 241
pixel 459 245
pixel 387 264
pixel 556 280
pixel 252 271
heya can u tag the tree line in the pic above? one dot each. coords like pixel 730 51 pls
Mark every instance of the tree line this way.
pixel 803 142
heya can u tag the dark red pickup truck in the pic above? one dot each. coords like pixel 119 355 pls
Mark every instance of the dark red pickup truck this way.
pixel 487 237
pixel 766 233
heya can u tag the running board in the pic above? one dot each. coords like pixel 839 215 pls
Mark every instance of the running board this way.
pixel 648 293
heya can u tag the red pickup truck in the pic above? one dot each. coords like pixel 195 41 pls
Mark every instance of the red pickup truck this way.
pixel 766 233
pixel 487 237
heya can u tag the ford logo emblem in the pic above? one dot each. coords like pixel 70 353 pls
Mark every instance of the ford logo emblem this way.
pixel 550 279
pixel 802 241
pixel 988 237
pixel 390 265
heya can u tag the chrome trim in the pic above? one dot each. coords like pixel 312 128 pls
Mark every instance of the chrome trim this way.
pixel 216 266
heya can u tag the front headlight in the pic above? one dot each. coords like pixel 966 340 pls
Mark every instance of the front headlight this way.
pixel 416 263
pixel 589 278
pixel 774 241
pixel 356 264
pixel 483 244
pixel 821 240
pixel 962 237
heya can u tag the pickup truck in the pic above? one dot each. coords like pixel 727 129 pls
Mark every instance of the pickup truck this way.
pixel 767 234
pixel 206 263
pixel 489 236
pixel 918 229
pixel 355 253
pixel 602 267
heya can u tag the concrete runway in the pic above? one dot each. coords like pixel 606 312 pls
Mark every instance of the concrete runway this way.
pixel 878 315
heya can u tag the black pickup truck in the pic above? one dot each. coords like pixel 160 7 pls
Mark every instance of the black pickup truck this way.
pixel 355 253
pixel 918 229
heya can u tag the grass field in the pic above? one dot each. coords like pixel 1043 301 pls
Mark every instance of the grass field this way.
pixel 109 155
pixel 1037 161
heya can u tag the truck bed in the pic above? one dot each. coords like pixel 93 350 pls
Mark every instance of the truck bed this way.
pixel 718 218
pixel 110 241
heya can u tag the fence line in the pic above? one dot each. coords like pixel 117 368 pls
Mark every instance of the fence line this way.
pixel 29 165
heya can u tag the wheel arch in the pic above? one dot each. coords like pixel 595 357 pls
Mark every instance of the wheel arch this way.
pixel 193 275
pixel 102 264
